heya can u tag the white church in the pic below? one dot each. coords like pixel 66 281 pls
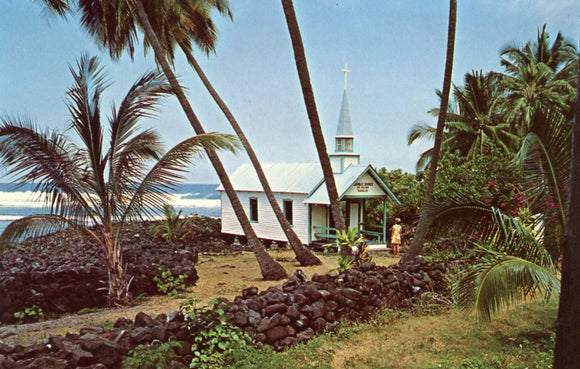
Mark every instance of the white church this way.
pixel 301 192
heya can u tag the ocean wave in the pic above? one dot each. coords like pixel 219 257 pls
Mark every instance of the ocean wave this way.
pixel 184 201
pixel 29 199
pixel 9 218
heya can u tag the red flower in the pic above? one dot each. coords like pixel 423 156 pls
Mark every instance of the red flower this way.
pixel 491 184
pixel 502 205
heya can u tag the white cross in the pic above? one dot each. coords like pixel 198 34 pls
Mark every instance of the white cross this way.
pixel 345 71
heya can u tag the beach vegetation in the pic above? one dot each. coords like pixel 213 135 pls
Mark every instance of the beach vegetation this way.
pixel 92 188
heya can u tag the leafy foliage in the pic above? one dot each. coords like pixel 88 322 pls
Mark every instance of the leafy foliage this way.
pixel 172 227
pixel 214 340
pixel 409 189
pixel 168 284
pixel 147 357
pixel 350 239
pixel 30 315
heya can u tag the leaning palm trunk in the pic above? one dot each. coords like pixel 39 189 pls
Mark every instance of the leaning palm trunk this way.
pixel 269 268
pixel 304 76
pixel 417 246
pixel 303 255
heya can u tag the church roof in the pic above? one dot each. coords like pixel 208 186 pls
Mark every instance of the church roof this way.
pixel 304 178
pixel 282 177
pixel 344 128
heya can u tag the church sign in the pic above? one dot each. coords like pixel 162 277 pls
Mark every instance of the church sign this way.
pixel 363 186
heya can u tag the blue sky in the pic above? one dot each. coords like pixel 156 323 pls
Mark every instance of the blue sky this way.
pixel 395 49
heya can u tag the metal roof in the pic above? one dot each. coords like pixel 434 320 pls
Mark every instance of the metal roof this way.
pixel 282 177
pixel 305 178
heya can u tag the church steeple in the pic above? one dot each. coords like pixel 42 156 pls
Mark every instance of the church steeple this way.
pixel 344 140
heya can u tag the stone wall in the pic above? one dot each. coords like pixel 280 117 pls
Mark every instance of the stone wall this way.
pixel 297 310
pixel 61 279
pixel 280 316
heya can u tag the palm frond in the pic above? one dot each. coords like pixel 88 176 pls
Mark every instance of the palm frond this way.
pixel 419 131
pixel 47 160
pixel 503 280
pixel 84 107
pixel 150 196
pixel 56 7
pixel 32 226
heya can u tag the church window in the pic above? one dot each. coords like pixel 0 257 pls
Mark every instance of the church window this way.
pixel 348 145
pixel 253 209
pixel 339 145
pixel 288 211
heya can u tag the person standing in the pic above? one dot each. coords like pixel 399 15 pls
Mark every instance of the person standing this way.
pixel 396 236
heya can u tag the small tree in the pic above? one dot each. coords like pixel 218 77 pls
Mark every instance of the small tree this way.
pixel 90 189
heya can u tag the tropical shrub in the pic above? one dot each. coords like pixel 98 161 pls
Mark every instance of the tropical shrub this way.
pixel 172 227
pixel 409 189
pixel 214 339
pixel 168 284
pixel 350 239
pixel 148 357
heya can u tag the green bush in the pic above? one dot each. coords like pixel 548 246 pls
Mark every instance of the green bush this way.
pixel 168 284
pixel 214 340
pixel 30 315
pixel 146 357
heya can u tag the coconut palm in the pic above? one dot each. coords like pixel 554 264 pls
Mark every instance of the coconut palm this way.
pixel 539 75
pixel 88 187
pixel 545 159
pixel 417 245
pixel 514 266
pixel 473 123
pixel 479 120
pixel 182 25
pixel 115 25
pixel 310 101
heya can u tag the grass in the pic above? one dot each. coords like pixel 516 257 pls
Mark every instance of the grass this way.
pixel 424 338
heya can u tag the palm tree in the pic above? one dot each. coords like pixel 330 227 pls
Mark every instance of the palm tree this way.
pixel 417 245
pixel 539 75
pixel 92 190
pixel 114 26
pixel 514 264
pixel 182 30
pixel 307 92
pixel 545 158
pixel 473 123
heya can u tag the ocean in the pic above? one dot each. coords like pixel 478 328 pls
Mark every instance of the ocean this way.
pixel 201 199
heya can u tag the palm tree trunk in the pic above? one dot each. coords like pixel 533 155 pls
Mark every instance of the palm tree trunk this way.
pixel 310 101
pixel 567 349
pixel 417 245
pixel 303 255
pixel 269 268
